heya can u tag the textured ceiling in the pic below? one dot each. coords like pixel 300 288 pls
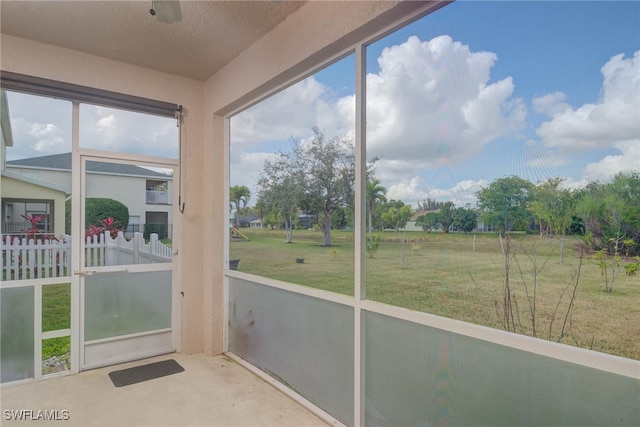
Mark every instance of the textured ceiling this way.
pixel 210 35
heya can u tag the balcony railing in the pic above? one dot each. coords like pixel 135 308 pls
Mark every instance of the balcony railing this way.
pixel 157 197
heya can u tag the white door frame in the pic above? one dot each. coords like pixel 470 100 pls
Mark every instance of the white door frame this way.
pixel 88 355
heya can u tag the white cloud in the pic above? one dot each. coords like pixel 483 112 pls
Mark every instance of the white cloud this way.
pixel 40 126
pixel 246 168
pixel 410 191
pixel 463 193
pixel 551 104
pixel 433 101
pixel 627 160
pixel 614 118
pixel 107 125
pixel 431 104
pixel 129 132
pixel 572 184
pixel 292 113
pixel 36 139
pixel 414 190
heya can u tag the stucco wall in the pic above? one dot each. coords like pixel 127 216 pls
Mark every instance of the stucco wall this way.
pixel 53 177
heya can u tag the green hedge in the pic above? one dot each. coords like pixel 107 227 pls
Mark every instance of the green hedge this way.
pixel 160 229
pixel 97 209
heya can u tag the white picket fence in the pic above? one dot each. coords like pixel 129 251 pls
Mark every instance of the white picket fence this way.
pixel 29 259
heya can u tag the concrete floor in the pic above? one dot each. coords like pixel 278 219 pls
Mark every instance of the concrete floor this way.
pixel 212 391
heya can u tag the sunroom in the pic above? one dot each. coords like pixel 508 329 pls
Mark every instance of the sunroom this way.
pixel 354 115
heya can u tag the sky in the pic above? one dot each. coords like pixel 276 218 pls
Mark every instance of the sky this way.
pixel 472 92
pixel 42 126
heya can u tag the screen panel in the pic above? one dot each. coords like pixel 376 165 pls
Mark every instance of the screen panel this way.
pixel 126 303
pixel 418 375
pixel 17 349
pixel 304 342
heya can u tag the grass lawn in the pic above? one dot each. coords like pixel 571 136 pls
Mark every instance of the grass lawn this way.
pixel 56 305
pixel 445 274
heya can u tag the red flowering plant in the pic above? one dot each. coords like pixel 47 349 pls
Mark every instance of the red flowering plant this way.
pixel 34 229
pixel 107 224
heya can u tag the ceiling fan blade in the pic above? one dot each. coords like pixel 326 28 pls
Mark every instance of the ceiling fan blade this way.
pixel 167 11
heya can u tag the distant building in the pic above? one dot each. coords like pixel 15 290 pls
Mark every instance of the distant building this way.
pixel 146 193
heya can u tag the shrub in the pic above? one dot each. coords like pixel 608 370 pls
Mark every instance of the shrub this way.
pixel 373 244
pixel 160 229
pixel 96 210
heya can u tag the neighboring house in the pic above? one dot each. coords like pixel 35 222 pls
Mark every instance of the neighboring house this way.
pixel 305 220
pixel 484 227
pixel 246 221
pixel 25 196
pixel 412 223
pixel 254 221
pixel 146 193
pixel 22 195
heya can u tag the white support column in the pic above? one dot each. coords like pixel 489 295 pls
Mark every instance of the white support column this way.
pixel 226 234
pixel 360 212
pixel 77 234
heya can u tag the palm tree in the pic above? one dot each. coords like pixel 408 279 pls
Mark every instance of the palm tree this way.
pixel 375 193
pixel 239 195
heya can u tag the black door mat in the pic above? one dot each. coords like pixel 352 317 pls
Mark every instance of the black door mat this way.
pixel 142 373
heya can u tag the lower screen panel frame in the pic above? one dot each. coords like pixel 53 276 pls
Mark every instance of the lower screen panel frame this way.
pixel 304 342
pixel 420 375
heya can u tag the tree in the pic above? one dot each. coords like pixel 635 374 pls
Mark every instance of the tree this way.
pixel 281 190
pixel 610 213
pixel 589 209
pixel 626 187
pixel 445 216
pixel 375 193
pixel 554 207
pixel 327 167
pixel 384 207
pixel 318 177
pixel 260 208
pixel 428 205
pixel 465 219
pixel 239 195
pixel 544 194
pixel 505 202
pixel 341 218
pixel 399 216
pixel 428 221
